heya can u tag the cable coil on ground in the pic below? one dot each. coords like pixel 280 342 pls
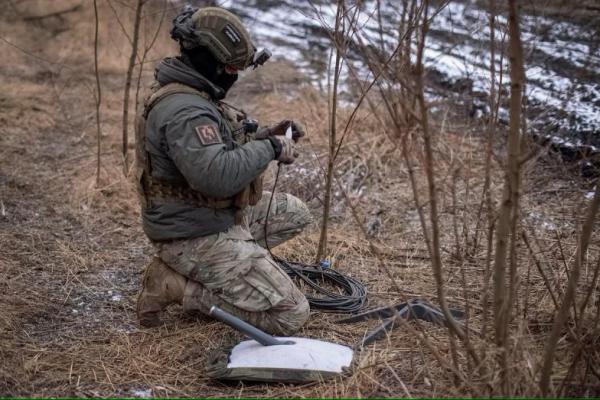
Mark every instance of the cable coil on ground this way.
pixel 353 300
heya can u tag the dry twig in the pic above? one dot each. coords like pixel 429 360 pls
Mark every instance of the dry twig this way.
pixel 509 208
pixel 98 95
pixel 132 57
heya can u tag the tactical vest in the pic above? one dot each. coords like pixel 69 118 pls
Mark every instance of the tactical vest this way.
pixel 152 190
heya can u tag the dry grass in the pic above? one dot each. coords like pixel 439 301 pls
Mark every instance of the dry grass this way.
pixel 72 253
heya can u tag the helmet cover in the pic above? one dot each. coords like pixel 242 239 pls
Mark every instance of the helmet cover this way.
pixel 217 29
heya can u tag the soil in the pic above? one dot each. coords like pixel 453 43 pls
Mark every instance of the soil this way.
pixel 72 249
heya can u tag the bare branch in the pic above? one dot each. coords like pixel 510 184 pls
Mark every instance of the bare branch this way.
pixel 98 96
pixel 134 46
pixel 339 31
pixel 147 49
pixel 59 13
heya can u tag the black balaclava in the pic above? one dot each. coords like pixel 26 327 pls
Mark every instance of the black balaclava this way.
pixel 202 60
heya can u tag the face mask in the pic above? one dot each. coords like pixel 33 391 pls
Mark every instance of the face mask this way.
pixel 225 81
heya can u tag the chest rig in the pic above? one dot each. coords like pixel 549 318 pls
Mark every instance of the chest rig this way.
pixel 152 190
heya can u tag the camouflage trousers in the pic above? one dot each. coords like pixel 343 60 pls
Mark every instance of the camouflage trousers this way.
pixel 234 271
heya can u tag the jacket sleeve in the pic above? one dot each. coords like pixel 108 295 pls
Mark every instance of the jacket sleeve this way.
pixel 211 168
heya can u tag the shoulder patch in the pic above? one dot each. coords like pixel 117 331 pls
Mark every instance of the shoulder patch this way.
pixel 208 134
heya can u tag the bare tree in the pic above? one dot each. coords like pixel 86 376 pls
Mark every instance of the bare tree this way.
pixel 408 112
pixel 98 94
pixel 338 33
pixel 487 195
pixel 147 48
pixel 509 208
pixel 130 67
pixel 434 220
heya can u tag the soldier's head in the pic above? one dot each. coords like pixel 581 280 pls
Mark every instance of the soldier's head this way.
pixel 215 43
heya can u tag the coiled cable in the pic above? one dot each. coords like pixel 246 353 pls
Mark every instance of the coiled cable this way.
pixel 354 297
pixel 352 300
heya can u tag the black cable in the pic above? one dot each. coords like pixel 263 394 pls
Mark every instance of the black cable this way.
pixel 354 298
pixel 269 209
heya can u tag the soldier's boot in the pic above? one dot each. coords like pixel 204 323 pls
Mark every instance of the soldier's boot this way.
pixel 162 286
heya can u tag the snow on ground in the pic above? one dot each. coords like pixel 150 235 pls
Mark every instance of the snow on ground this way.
pixel 590 194
pixel 559 54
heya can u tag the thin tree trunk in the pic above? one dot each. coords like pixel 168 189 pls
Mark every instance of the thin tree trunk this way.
pixel 322 250
pixel 132 57
pixel 436 257
pixel 488 168
pixel 510 205
pixel 98 96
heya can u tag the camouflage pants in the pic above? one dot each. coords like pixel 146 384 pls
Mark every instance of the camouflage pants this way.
pixel 233 271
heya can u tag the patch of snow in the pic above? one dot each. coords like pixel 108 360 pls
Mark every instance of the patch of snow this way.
pixel 590 195
pixel 548 225
pixel 141 392
pixel 457 47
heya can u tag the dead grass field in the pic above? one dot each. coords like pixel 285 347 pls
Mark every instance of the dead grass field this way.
pixel 72 253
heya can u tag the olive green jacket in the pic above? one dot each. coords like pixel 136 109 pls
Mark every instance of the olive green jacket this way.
pixel 189 140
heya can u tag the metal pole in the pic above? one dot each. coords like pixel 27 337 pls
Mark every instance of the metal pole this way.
pixel 261 337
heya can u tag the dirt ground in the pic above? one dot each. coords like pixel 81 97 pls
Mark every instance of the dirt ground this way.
pixel 72 252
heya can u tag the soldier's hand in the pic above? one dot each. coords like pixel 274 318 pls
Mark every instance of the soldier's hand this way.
pixel 286 149
pixel 280 128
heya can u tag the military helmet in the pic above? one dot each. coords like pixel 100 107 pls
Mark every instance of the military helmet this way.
pixel 217 29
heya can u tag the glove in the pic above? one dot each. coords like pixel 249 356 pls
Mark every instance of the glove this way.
pixel 280 129
pixel 285 152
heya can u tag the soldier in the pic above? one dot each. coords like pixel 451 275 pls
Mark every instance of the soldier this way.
pixel 199 170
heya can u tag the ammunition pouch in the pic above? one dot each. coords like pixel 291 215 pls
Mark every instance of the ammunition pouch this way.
pixel 157 191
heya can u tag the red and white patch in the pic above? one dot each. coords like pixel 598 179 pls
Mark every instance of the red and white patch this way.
pixel 208 134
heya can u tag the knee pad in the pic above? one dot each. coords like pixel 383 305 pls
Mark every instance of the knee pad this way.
pixel 290 321
pixel 299 210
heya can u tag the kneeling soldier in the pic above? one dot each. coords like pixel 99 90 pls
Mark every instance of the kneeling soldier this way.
pixel 199 170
